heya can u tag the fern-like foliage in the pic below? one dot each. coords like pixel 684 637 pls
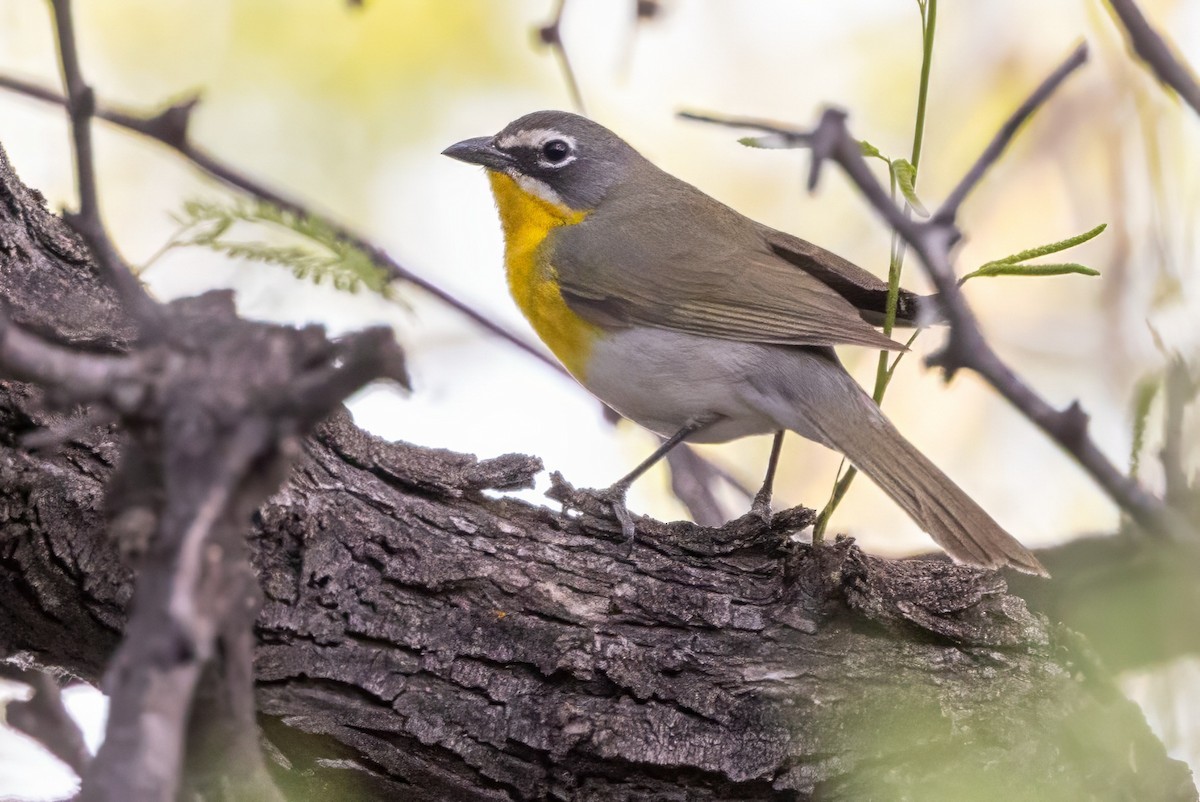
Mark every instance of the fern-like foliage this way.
pixel 317 253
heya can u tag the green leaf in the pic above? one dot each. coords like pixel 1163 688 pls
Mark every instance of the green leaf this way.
pixel 869 151
pixel 906 177
pixel 319 255
pixel 1053 247
pixel 1008 269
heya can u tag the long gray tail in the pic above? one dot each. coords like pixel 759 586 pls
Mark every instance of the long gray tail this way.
pixel 838 413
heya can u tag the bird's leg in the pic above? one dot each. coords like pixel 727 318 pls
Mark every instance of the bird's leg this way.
pixel 762 499
pixel 615 495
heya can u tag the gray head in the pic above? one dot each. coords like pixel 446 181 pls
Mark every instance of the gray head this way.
pixel 559 156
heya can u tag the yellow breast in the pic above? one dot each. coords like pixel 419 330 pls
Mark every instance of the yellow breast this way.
pixel 527 221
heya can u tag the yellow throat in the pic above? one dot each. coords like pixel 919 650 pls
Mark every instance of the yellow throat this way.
pixel 527 220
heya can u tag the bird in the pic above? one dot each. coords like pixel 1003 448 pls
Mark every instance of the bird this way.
pixel 701 324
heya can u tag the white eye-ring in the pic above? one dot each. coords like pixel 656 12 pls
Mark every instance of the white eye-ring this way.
pixel 556 151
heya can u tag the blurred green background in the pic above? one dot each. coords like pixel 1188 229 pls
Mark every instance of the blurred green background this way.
pixel 347 109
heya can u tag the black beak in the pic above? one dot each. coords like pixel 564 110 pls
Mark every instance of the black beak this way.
pixel 480 150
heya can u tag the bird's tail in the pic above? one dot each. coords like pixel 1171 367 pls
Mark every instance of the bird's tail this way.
pixel 849 421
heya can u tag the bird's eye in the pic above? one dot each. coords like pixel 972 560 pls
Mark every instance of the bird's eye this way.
pixel 556 150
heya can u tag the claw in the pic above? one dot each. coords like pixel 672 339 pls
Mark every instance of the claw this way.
pixel 615 498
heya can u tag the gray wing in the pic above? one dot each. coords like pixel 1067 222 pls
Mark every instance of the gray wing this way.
pixel 671 257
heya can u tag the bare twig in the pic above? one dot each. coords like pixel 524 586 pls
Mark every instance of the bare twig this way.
pixel 1152 49
pixel 991 153
pixel 170 127
pixel 966 347
pixel 643 12
pixel 693 480
pixel 187 594
pixel 87 377
pixel 81 103
pixel 550 35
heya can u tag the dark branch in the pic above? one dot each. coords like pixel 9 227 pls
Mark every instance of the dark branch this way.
pixel 170 127
pixel 359 358
pixel 1152 49
pixel 550 35
pixel 966 346
pixel 85 377
pixel 991 153
pixel 81 104
pixel 693 480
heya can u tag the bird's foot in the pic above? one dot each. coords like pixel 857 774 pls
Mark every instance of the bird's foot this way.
pixel 593 501
pixel 614 497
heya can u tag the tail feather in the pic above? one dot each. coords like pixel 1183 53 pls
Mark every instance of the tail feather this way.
pixel 856 427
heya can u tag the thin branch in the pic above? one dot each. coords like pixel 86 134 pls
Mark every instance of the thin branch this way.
pixel 170 127
pixel 966 347
pixel 550 35
pixel 1153 49
pixel 1006 133
pixel 693 479
pixel 81 103
pixel 85 377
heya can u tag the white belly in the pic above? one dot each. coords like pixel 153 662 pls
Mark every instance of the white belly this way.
pixel 664 380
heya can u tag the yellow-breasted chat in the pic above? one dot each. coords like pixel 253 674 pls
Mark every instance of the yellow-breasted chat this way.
pixel 701 324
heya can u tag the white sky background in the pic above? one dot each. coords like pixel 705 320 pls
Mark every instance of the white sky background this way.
pixel 376 163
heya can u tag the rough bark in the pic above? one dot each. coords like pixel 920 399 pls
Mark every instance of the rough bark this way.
pixel 426 638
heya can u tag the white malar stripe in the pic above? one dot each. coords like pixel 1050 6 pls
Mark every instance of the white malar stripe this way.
pixel 535 186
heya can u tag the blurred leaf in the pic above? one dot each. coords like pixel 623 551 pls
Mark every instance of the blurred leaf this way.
pixel 906 177
pixel 1143 398
pixel 869 151
pixel 321 255
pixel 1009 269
pixel 771 141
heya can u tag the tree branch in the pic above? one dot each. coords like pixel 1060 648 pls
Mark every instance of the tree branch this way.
pixel 207 441
pixel 550 35
pixel 948 211
pixel 81 104
pixel 170 128
pixel 1153 49
pixel 966 347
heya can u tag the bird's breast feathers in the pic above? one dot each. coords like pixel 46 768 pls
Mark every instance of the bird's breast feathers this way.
pixel 528 218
